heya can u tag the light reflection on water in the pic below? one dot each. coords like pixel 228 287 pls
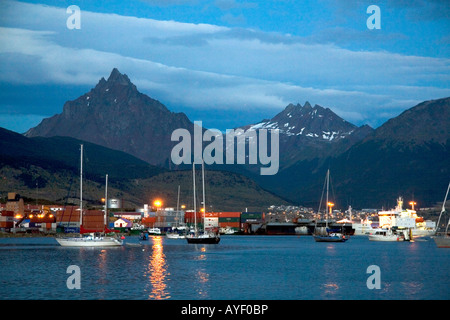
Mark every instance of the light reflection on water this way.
pixel 240 267
pixel 157 271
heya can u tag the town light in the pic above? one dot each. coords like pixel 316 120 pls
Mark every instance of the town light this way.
pixel 412 203
pixel 157 203
pixel 330 204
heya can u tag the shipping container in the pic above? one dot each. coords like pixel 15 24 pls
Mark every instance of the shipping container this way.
pixel 229 219
pixel 212 214
pixel 69 224
pixel 6 219
pixel 252 217
pixel 211 222
pixel 229 224
pixel 71 230
pixel 4 224
pixel 7 213
pixel 229 214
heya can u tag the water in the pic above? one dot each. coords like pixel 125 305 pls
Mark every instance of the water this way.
pixel 239 268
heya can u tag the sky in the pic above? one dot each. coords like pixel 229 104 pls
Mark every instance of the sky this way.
pixel 227 63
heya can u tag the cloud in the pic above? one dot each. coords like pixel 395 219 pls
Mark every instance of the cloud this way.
pixel 204 66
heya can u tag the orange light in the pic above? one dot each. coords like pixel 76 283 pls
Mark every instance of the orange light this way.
pixel 330 204
pixel 183 206
pixel 202 210
pixel 50 216
pixel 30 216
pixel 103 200
pixel 18 216
pixel 157 203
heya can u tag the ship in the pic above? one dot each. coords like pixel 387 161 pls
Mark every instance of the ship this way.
pixel 406 219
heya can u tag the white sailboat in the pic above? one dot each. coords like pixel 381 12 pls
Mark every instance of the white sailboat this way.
pixel 328 236
pixel 180 231
pixel 92 240
pixel 442 240
pixel 204 236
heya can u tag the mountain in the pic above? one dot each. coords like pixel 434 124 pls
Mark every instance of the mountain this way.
pixel 116 115
pixel 48 168
pixel 308 133
pixel 407 156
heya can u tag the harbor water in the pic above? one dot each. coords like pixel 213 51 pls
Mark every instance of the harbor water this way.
pixel 238 268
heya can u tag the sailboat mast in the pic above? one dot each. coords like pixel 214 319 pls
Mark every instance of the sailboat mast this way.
pixel 195 207
pixel 178 205
pixel 443 210
pixel 81 186
pixel 203 187
pixel 328 182
pixel 106 201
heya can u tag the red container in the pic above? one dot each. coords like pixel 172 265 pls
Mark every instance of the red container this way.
pixel 7 213
pixel 229 214
pixel 149 221
pixel 5 224
pixel 229 224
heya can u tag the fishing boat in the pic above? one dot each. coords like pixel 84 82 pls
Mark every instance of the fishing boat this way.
pixel 94 239
pixel 204 236
pixel 328 236
pixel 442 240
pixel 154 231
pixel 383 234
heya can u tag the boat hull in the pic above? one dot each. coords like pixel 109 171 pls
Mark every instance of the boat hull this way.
pixel 329 239
pixel 205 240
pixel 81 242
pixel 442 242
pixel 385 238
pixel 175 236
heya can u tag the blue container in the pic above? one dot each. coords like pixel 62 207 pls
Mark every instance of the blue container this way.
pixel 71 230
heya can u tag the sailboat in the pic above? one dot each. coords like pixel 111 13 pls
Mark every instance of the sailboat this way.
pixel 443 241
pixel 203 236
pixel 179 231
pixel 328 236
pixel 92 240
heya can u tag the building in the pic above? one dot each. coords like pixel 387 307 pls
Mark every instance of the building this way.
pixel 15 204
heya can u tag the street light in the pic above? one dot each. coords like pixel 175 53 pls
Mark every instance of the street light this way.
pixel 157 203
pixel 412 203
pixel 330 204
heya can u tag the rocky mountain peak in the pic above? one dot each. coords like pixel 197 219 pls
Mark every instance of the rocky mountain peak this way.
pixel 307 121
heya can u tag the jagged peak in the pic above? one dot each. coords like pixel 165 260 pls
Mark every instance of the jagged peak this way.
pixel 117 77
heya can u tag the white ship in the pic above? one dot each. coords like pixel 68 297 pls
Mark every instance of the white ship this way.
pixel 406 219
pixel 363 228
